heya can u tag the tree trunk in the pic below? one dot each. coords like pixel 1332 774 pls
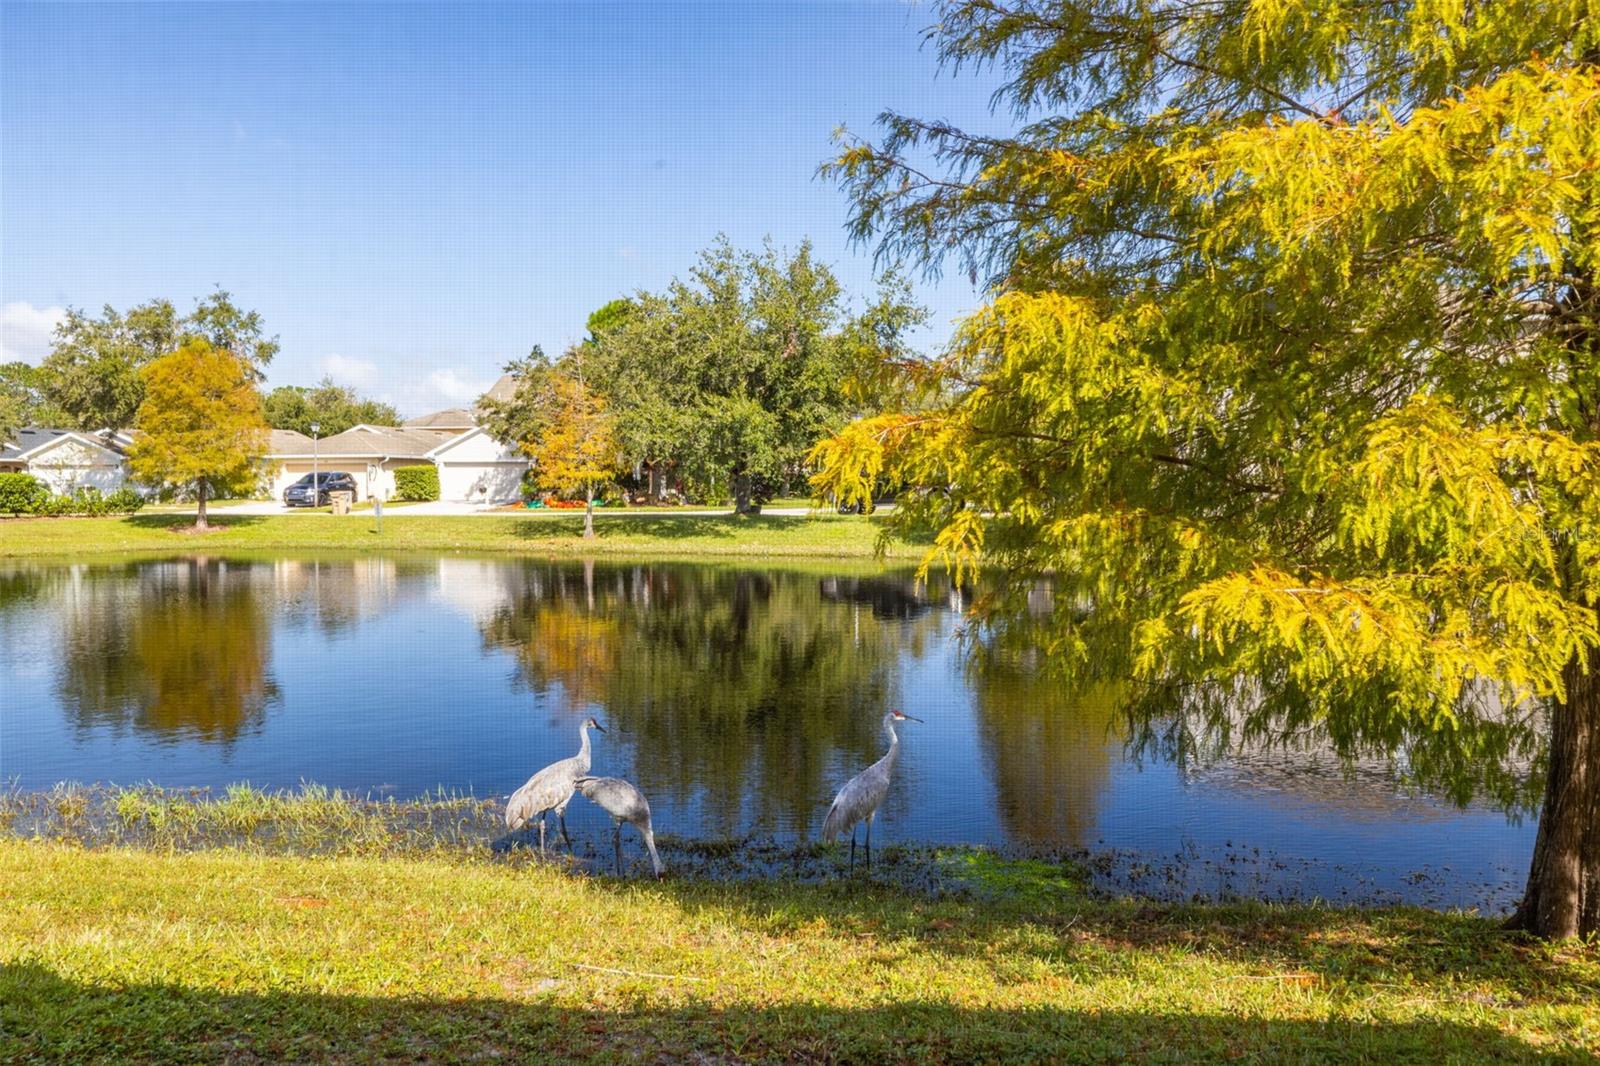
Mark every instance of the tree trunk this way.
pixel 588 514
pixel 1563 894
pixel 200 512
pixel 741 492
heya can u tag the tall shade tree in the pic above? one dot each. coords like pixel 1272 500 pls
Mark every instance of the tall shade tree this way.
pixel 23 401
pixel 93 371
pixel 1289 374
pixel 334 408
pixel 563 424
pixel 201 423
pixel 730 377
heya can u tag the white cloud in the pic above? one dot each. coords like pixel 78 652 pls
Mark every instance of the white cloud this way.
pixel 455 388
pixel 25 331
pixel 357 373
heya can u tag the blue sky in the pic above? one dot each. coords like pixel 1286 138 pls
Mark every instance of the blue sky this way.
pixel 412 195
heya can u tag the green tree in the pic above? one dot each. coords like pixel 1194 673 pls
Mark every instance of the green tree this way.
pixel 23 400
pixel 201 423
pixel 1289 371
pixel 335 408
pixel 731 376
pixel 92 373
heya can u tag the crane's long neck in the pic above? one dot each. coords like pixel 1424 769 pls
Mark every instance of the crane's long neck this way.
pixel 583 746
pixel 894 740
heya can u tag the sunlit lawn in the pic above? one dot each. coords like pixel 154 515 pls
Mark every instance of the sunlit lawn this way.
pixel 121 954
pixel 533 532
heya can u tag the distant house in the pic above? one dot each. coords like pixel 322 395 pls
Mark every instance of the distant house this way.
pixel 67 460
pixel 473 466
pixel 370 454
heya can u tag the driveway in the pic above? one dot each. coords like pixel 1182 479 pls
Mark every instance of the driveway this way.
pixel 446 507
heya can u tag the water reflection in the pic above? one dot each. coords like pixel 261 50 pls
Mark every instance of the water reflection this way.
pixel 733 686
pixel 739 698
pixel 179 649
pixel 1049 749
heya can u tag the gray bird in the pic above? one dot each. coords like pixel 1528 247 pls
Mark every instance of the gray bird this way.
pixel 861 795
pixel 624 803
pixel 551 790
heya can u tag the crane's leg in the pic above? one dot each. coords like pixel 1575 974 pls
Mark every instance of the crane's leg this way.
pixel 541 835
pixel 561 816
pixel 619 849
pixel 852 849
pixel 870 817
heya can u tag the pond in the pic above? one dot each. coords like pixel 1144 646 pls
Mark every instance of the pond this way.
pixel 738 698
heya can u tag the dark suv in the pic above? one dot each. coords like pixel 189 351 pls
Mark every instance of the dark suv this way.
pixel 299 494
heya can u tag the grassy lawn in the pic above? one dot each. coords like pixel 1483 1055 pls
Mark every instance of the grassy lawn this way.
pixel 532 532
pixel 409 938
pixel 118 954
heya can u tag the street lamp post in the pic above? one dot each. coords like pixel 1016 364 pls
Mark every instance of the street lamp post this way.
pixel 316 489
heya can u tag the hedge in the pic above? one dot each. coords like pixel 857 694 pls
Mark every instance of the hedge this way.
pixel 26 494
pixel 22 493
pixel 417 483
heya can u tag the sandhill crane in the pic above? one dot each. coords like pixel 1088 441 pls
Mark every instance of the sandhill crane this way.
pixel 624 803
pixel 862 794
pixel 551 789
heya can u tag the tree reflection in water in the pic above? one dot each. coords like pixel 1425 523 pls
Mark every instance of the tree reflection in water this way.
pixel 1049 747
pixel 179 648
pixel 736 687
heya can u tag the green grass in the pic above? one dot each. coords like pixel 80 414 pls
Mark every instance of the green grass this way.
pixel 538 533
pixel 401 946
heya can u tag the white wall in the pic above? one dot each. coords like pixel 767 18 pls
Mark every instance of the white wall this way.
pixel 73 465
pixel 478 482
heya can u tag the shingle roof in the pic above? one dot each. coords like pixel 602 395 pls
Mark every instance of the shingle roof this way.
pixel 504 389
pixel 366 442
pixel 31 438
pixel 454 419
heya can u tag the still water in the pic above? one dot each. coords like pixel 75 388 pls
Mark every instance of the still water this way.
pixel 738 699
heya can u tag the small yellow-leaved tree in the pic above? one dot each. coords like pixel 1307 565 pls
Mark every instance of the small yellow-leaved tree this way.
pixel 576 449
pixel 200 422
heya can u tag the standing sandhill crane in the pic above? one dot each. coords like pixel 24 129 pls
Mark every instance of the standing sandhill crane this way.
pixel 862 794
pixel 551 789
pixel 624 803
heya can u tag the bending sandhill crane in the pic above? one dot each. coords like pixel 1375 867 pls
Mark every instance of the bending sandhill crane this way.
pixel 551 790
pixel 861 795
pixel 624 803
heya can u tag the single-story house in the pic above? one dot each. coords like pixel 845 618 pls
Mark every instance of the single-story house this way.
pixel 66 459
pixel 476 468
pixel 370 454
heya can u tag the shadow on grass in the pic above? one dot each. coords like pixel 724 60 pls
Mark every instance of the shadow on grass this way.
pixel 1346 946
pixel 46 1016
pixel 181 520
pixel 663 527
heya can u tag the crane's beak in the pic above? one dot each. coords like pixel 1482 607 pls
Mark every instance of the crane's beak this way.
pixel 912 718
pixel 600 727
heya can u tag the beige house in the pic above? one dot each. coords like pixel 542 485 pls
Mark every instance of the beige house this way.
pixel 473 466
pixel 370 454
pixel 67 460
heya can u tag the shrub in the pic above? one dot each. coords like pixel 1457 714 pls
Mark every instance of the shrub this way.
pixel 417 483
pixel 124 501
pixel 22 494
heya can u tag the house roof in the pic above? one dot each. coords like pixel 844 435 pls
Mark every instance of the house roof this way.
pixel 31 440
pixel 452 419
pixel 504 389
pixel 287 440
pixel 363 442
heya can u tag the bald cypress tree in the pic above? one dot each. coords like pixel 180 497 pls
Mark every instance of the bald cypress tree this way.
pixel 1288 375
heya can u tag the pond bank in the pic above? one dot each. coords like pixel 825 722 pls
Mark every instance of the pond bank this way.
pixel 319 822
pixel 655 536
pixel 433 950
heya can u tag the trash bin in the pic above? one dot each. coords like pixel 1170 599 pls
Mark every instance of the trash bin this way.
pixel 342 500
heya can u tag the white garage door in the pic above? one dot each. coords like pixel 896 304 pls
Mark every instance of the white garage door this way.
pixel 480 482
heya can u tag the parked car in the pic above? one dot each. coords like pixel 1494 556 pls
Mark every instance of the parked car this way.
pixel 299 494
